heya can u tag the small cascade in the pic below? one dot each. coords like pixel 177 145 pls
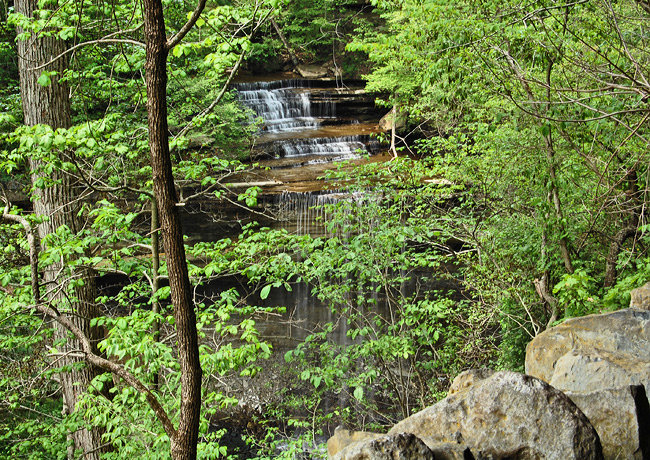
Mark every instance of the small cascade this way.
pixel 285 106
pixel 309 213
pixel 331 148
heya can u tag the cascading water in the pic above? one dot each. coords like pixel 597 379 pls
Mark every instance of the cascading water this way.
pixel 280 105
pixel 285 107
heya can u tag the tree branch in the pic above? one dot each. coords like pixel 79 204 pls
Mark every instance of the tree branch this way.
pixel 105 39
pixel 175 40
pixel 110 366
pixel 32 241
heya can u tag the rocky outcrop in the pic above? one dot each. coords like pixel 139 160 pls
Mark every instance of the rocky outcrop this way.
pixel 602 362
pixel 585 399
pixel 640 297
pixel 508 415
pixel 400 446
pixel 311 71
pixel 594 352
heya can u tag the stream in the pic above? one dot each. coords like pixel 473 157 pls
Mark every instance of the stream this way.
pixel 306 127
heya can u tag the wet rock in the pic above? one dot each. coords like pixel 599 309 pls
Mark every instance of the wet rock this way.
pixel 399 446
pixel 508 415
pixel 311 71
pixel 619 417
pixel 640 297
pixel 593 353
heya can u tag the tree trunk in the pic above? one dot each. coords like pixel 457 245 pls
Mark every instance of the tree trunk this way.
pixel 553 193
pixel 183 444
pixel 293 57
pixel 50 105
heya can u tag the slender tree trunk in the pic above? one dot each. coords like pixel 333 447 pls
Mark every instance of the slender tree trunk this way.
pixel 393 147
pixel 631 202
pixel 554 194
pixel 292 55
pixel 50 105
pixel 183 444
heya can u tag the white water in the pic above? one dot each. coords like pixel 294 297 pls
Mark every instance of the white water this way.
pixel 285 106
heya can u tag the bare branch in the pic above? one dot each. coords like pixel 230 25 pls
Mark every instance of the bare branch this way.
pixel 102 40
pixel 176 39
pixel 110 366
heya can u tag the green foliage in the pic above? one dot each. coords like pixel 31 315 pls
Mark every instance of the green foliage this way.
pixel 575 293
pixel 430 265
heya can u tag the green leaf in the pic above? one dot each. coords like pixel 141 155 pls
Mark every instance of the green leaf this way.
pixel 358 393
pixel 44 79
pixel 265 291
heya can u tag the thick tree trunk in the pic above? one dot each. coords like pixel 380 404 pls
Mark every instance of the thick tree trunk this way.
pixel 50 105
pixel 183 444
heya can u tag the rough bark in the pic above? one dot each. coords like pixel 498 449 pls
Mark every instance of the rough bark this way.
pixel 184 441
pixel 155 275
pixel 50 105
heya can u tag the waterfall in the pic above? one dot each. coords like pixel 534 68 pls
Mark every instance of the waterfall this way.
pixel 285 106
pixel 311 212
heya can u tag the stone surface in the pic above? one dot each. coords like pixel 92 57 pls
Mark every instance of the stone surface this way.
pixel 343 438
pixel 508 415
pixel 640 297
pixel 386 122
pixel 451 451
pixel 615 415
pixel 594 352
pixel 466 379
pixel 400 446
pixel 601 362
pixel 311 71
pixel 582 371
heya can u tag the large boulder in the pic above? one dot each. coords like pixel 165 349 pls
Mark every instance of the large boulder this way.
pixel 311 71
pixel 343 438
pixel 602 362
pixel 466 379
pixel 400 446
pixel 507 415
pixel 594 352
pixel 386 122
pixel 621 418
pixel 640 297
